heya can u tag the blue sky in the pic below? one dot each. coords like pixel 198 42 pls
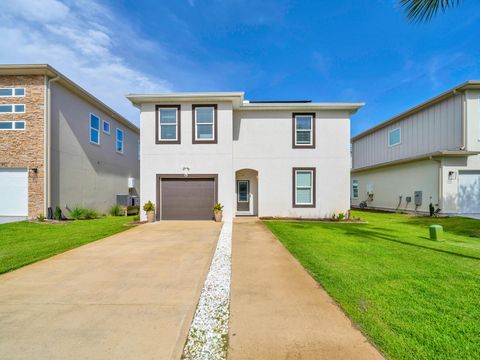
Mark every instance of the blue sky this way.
pixel 343 50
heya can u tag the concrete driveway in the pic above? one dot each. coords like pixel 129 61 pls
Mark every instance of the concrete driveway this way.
pixel 130 296
pixel 10 219
pixel 277 310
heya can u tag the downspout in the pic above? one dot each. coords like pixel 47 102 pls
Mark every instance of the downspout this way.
pixel 464 121
pixel 47 142
pixel 440 183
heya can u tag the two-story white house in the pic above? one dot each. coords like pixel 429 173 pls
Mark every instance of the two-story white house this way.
pixel 284 159
pixel 428 154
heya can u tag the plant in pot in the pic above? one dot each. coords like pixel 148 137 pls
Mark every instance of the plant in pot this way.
pixel 149 208
pixel 218 212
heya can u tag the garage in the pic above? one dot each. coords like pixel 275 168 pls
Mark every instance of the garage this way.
pixel 189 198
pixel 13 192
pixel 469 192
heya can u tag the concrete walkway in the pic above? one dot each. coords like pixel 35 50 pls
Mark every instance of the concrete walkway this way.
pixel 130 296
pixel 278 311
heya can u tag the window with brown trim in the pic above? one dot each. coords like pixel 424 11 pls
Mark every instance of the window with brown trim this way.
pixel 303 130
pixel 303 189
pixel 204 124
pixel 167 124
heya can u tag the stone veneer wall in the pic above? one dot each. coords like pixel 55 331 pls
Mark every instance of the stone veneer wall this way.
pixel 25 149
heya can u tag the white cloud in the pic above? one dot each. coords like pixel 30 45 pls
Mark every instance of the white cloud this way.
pixel 80 39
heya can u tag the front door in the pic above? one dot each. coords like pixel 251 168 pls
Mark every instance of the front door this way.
pixel 243 196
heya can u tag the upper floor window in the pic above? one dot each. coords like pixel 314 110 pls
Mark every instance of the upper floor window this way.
pixel 119 145
pixel 94 129
pixel 12 92
pixel 204 124
pixel 12 108
pixel 106 127
pixel 303 130
pixel 168 124
pixel 355 189
pixel 12 125
pixel 394 137
pixel 304 187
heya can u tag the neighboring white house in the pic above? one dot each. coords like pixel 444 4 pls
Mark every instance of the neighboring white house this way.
pixel 285 159
pixel 428 154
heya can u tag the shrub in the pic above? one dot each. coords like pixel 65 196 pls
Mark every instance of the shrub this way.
pixel 334 217
pixel 431 208
pixel 79 213
pixel 136 218
pixel 149 206
pixel 40 218
pixel 57 214
pixel 116 210
pixel 217 207
pixel 133 210
pixel 341 216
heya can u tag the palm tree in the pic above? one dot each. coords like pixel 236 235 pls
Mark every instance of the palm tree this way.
pixel 424 10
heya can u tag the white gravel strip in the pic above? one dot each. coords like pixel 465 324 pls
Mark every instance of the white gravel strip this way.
pixel 208 335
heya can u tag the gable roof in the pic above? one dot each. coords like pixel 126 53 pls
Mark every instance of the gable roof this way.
pixel 468 85
pixel 49 71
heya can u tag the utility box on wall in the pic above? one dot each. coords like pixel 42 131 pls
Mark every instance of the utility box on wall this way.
pixel 418 198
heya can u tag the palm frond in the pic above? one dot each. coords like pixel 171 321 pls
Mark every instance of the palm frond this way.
pixel 424 10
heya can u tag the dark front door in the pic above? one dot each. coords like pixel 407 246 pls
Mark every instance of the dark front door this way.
pixel 187 199
pixel 243 195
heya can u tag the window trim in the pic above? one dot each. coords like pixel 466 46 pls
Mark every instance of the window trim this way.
pixel 13 109
pixel 356 183
pixel 294 187
pixel 294 131
pixel 391 131
pixel 13 92
pixel 13 125
pixel 90 129
pixel 238 191
pixel 178 140
pixel 194 124
pixel 122 141
pixel 103 127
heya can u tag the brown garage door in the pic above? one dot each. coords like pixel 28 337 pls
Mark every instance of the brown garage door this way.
pixel 187 199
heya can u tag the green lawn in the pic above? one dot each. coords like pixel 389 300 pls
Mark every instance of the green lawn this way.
pixel 414 298
pixel 24 242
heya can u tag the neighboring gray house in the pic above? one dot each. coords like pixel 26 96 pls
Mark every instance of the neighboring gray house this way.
pixel 285 159
pixel 59 145
pixel 429 153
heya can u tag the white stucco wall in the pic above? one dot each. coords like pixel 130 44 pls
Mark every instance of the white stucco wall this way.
pixel 258 140
pixel 391 182
pixel 263 142
pixel 82 173
pixel 199 158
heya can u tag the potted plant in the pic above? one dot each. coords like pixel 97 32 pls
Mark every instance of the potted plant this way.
pixel 218 212
pixel 149 208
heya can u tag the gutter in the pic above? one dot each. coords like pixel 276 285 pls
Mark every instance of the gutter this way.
pixel 447 153
pixel 47 141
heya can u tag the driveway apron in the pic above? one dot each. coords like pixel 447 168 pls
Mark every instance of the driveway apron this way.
pixel 278 311
pixel 129 296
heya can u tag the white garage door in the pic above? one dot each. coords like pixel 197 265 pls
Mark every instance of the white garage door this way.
pixel 13 192
pixel 469 192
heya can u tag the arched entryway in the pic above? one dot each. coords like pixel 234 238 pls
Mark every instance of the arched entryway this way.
pixel 246 192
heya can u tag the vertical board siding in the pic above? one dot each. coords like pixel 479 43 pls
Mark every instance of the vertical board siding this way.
pixel 436 128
